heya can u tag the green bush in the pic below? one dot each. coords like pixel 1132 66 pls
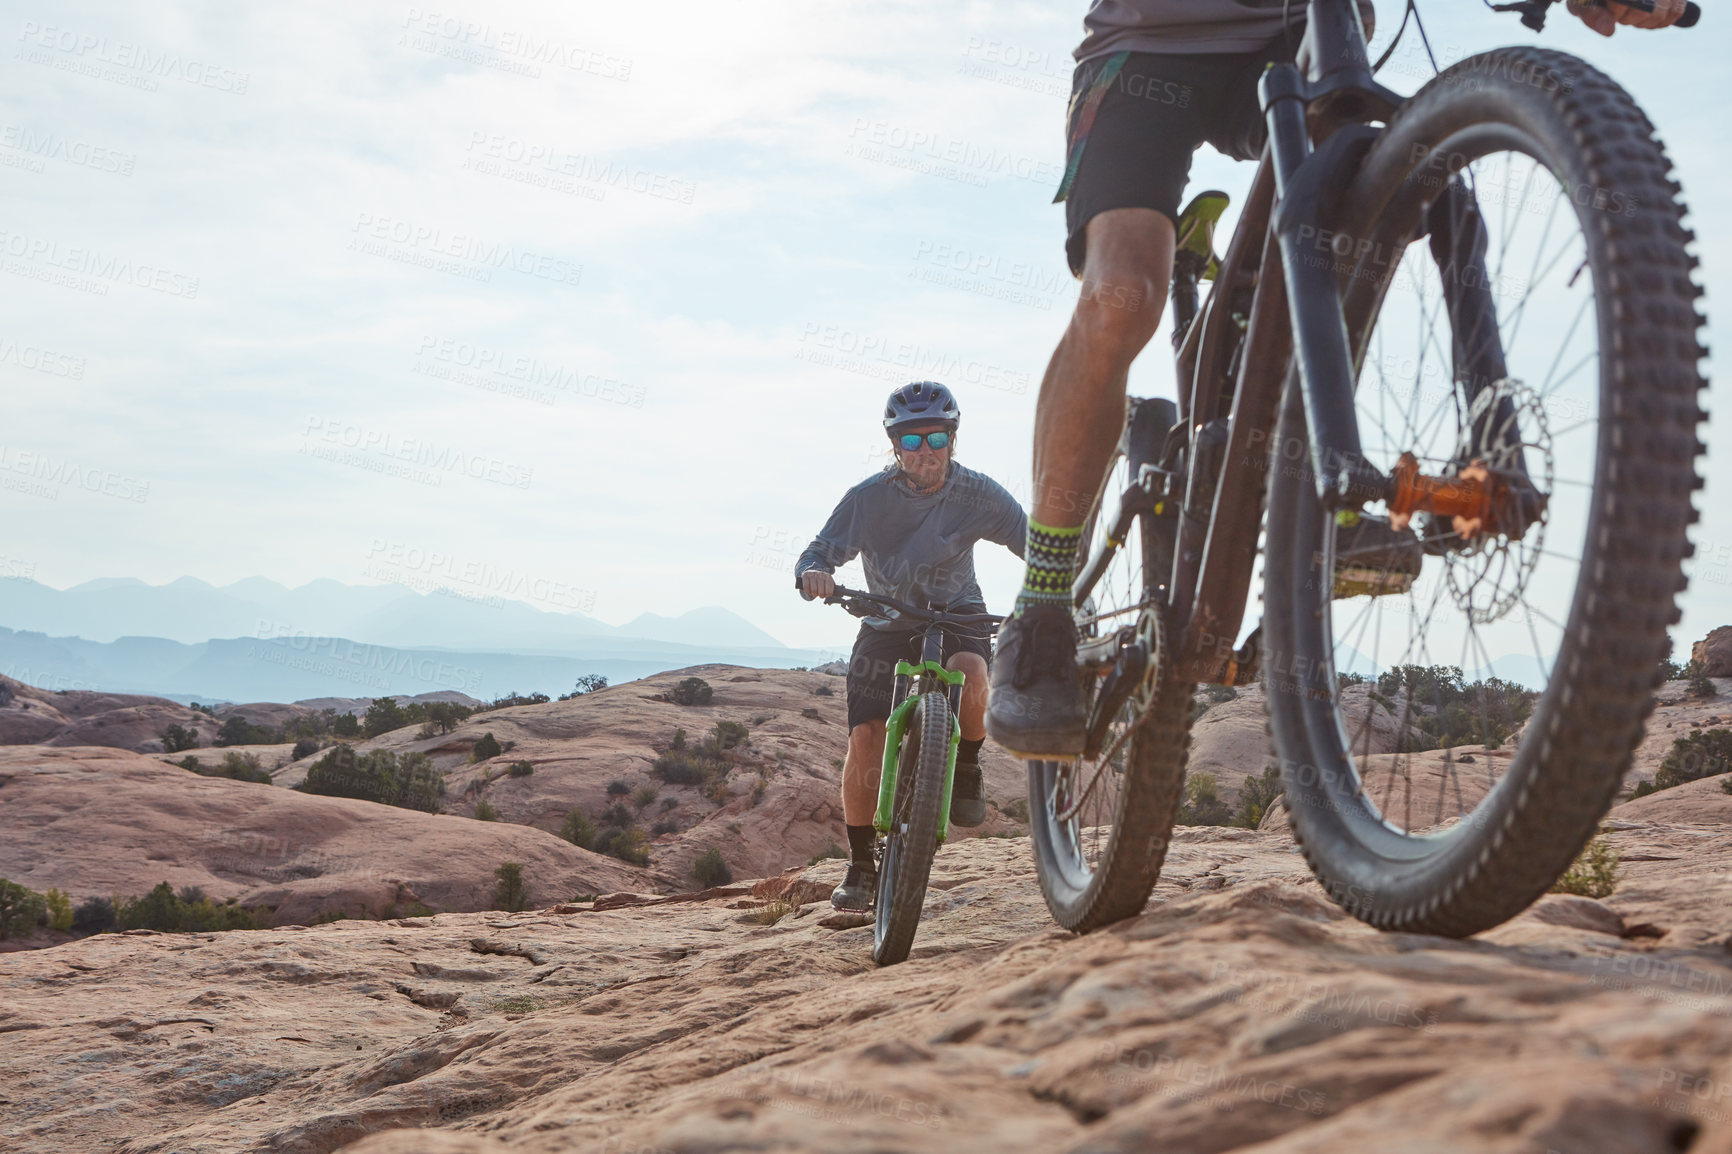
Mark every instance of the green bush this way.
pixel 1594 874
pixel 94 916
pixel 521 769
pixel 811 713
pixel 832 850
pixel 616 815
pixel 383 715
pixel 729 734
pixel 578 829
pixel 484 811
pixel 627 843
pixel 305 747
pixel 487 746
pixel 692 691
pixel 21 910
pixel 1448 711
pixel 1203 804
pixel 59 910
pixel 823 691
pixel 1701 685
pixel 1256 796
pixel 645 795
pixel 711 870
pixel 235 764
pixel 510 893
pixel 240 731
pixel 1704 753
pixel 408 780
pixel 176 739
pixel 514 698
pixel 346 725
pixel 669 803
pixel 662 827
pixel 617 788
pixel 168 912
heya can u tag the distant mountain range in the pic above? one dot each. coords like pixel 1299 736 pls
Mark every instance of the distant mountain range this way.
pixel 257 640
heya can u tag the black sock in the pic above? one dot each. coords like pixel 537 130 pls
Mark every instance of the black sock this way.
pixel 860 843
pixel 969 752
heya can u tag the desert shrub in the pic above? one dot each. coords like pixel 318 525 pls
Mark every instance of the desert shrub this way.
pixel 729 734
pixel 485 747
pixel 832 850
pixel 627 843
pixel 346 725
pixel 617 788
pixel 811 713
pixel 408 780
pixel 588 683
pixel 1016 809
pixel 235 764
pixel 770 913
pixel 1447 711
pixel 1203 804
pixel 1256 795
pixel 178 739
pixel 1668 669
pixel 1594 874
pixel 515 698
pixel 510 892
pixel 679 741
pixel 93 916
pixel 823 691
pixel 1705 753
pixel 692 691
pixel 616 815
pixel 305 747
pixel 520 769
pixel 21 910
pixel 484 811
pixel 711 870
pixel 168 912
pixel 578 829
pixel 662 827
pixel 1700 684
pixel 669 803
pixel 426 731
pixel 208 710
pixel 758 790
pixel 645 795
pixel 326 917
pixel 383 715
pixel 1726 785
pixel 761 718
pixel 445 716
pixel 240 731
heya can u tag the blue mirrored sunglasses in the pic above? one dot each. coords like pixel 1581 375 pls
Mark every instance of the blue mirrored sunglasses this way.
pixel 911 441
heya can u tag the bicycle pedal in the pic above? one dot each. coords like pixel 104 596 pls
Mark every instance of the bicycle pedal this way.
pixel 1359 582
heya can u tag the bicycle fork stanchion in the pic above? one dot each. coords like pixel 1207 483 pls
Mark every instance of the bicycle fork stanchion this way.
pixel 894 729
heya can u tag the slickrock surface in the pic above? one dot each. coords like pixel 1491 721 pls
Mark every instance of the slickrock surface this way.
pixel 579 747
pixel 1240 1011
pixel 31 716
pixel 99 822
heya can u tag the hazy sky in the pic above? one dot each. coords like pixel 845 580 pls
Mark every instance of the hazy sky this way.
pixel 606 296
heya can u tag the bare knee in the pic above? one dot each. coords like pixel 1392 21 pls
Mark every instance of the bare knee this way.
pixel 972 666
pixel 866 739
pixel 1128 261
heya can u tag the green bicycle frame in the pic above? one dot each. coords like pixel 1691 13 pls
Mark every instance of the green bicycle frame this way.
pixel 893 732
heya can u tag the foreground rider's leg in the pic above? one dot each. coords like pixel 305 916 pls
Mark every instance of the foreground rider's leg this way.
pixel 860 773
pixel 1036 706
pixel 967 795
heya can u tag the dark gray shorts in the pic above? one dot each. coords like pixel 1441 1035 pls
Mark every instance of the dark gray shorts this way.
pixel 1149 114
pixel 872 669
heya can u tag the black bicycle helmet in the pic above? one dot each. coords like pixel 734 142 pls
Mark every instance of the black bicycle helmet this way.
pixel 921 403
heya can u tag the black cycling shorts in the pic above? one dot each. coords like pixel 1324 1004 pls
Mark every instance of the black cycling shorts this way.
pixel 872 668
pixel 1149 114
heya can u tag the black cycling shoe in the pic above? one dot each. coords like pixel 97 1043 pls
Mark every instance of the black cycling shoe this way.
pixel 858 890
pixel 967 797
pixel 1036 706
pixel 1374 559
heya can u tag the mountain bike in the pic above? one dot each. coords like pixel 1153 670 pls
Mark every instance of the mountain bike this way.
pixel 1458 328
pixel 920 742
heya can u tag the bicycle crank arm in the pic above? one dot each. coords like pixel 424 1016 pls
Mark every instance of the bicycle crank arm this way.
pixel 1124 679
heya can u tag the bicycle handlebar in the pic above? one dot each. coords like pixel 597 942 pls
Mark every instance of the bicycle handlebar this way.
pixel 849 599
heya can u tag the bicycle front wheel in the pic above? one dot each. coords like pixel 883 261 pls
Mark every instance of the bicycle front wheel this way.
pixel 1517 288
pixel 913 838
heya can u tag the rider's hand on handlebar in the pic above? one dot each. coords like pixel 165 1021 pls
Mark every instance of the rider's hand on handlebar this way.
pixel 816 584
pixel 1604 17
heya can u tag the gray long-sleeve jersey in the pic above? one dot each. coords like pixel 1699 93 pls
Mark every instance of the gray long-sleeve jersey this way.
pixel 918 548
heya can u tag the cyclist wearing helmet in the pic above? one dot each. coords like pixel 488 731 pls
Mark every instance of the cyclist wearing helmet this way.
pixel 1155 79
pixel 914 526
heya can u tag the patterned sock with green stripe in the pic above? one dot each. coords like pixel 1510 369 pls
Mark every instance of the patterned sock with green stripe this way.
pixel 1051 557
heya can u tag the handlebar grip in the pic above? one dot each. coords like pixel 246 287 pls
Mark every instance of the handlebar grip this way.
pixel 1692 13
